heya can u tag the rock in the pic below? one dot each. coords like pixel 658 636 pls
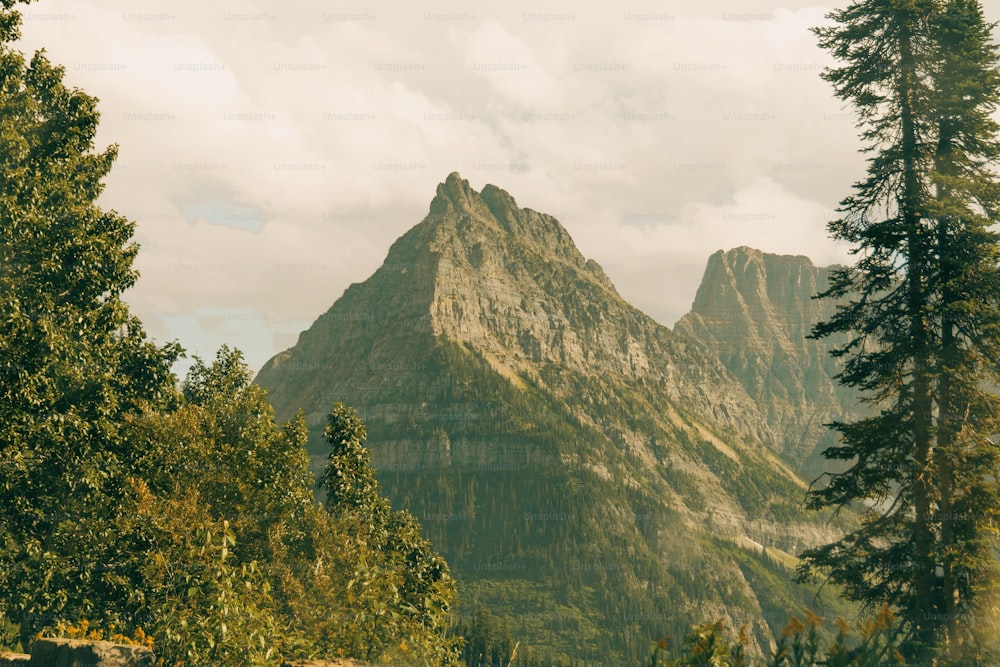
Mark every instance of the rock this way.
pixel 59 652
pixel 14 659
pixel 753 311
pixel 546 431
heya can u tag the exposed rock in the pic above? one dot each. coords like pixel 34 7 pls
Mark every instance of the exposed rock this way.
pixel 59 652
pixel 14 659
pixel 754 312
pixel 548 433
pixel 508 283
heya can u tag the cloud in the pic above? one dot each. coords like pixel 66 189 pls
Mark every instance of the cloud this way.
pixel 270 154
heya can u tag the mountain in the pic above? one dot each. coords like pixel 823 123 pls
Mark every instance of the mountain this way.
pixel 753 311
pixel 590 475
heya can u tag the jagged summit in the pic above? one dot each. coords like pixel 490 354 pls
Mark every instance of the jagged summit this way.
pixel 457 207
pixel 564 450
pixel 755 311
pixel 454 195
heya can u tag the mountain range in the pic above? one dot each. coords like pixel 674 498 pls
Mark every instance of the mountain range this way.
pixel 591 475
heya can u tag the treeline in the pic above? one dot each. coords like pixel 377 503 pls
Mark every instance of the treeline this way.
pixel 133 505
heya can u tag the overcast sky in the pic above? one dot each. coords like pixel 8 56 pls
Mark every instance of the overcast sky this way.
pixel 271 152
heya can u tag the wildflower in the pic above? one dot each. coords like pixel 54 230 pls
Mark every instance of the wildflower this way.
pixel 812 619
pixel 794 627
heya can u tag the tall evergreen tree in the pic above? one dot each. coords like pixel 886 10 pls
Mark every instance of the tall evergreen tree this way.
pixel 967 201
pixel 920 309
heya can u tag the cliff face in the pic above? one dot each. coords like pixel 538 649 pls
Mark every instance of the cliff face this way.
pixel 587 472
pixel 753 312
pixel 510 285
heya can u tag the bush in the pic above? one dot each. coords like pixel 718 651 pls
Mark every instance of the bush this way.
pixel 874 644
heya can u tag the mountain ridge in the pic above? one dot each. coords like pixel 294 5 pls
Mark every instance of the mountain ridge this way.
pixel 516 402
pixel 755 312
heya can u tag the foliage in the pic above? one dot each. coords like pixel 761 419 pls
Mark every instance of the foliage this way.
pixel 348 478
pixel 875 644
pixel 73 362
pixel 92 633
pixel 125 503
pixel 243 566
pixel 208 609
pixel 921 311
pixel 420 589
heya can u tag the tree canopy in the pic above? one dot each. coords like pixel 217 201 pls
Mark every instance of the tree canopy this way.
pixel 921 310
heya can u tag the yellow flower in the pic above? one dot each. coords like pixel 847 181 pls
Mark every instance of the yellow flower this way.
pixel 812 620
pixel 884 619
pixel 794 627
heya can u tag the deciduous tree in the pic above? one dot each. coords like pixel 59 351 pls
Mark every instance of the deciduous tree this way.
pixel 73 360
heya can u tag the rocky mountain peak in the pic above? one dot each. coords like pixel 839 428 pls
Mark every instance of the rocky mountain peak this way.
pixel 455 195
pixel 755 311
pixel 745 281
pixel 493 217
pixel 554 439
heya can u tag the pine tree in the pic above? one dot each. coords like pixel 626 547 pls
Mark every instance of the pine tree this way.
pixel 920 308
pixel 967 200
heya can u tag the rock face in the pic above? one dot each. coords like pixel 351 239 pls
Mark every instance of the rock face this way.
pixel 80 653
pixel 587 472
pixel 754 311
pixel 510 285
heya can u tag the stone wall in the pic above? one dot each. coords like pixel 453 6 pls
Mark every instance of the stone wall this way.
pixel 60 652
pixel 13 659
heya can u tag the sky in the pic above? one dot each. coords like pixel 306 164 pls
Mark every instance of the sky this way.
pixel 270 153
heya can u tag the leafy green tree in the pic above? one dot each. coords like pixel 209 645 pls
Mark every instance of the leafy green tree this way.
pixel 421 583
pixel 203 606
pixel 348 478
pixel 73 361
pixel 921 311
pixel 125 502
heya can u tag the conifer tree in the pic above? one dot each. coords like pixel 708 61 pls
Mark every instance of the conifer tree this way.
pixel 920 307
pixel 966 83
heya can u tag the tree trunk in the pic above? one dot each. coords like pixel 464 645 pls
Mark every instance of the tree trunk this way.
pixel 923 607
